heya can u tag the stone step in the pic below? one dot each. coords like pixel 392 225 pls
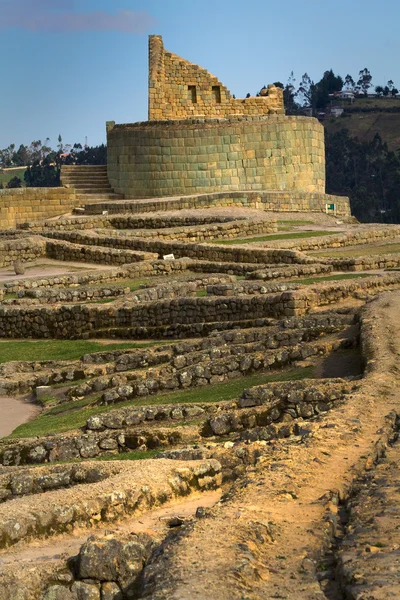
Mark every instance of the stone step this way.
pixel 94 191
pixel 82 168
pixel 84 173
pixel 100 196
pixel 85 178
pixel 83 187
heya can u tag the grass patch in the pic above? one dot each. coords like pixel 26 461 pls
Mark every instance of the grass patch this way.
pixel 73 415
pixel 278 236
pixel 134 455
pixel 355 252
pixel 60 349
pixel 312 280
pixel 201 293
pixel 6 175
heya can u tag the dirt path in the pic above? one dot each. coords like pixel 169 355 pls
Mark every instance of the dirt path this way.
pixel 68 545
pixel 272 529
pixel 47 267
pixel 14 412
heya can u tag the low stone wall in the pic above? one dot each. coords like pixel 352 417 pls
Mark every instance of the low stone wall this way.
pixel 25 249
pixel 73 322
pixel 207 368
pixel 291 271
pixel 289 401
pixel 269 201
pixel 363 235
pixel 286 397
pixel 128 417
pixel 365 263
pixel 82 294
pixel 42 479
pixel 30 204
pixel 248 287
pixel 213 252
pixel 129 271
pixel 112 502
pixel 126 221
pixel 66 251
pixel 203 233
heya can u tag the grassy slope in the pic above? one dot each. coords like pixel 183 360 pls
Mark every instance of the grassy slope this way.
pixel 75 414
pixel 59 349
pixel 312 280
pixel 7 175
pixel 354 252
pixel 297 235
pixel 364 126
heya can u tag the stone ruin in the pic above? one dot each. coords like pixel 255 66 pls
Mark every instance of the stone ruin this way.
pixel 239 440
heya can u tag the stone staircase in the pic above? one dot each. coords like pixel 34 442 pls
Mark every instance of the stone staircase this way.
pixel 90 182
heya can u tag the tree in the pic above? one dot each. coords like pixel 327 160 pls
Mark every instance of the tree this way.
pixel 329 84
pixel 307 92
pixel 42 174
pixel 364 81
pixel 379 90
pixel 60 144
pixel 15 182
pixel 367 172
pixel 349 83
pixel 289 93
pixel 6 156
pixel 21 157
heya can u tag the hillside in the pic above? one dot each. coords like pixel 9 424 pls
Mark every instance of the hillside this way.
pixel 366 117
pixel 7 174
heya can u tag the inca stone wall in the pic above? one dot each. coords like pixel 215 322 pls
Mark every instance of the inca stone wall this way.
pixel 30 204
pixel 187 157
pixel 179 89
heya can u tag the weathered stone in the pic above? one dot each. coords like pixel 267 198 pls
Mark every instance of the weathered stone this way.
pixel 86 591
pixel 59 592
pixel 111 591
pixel 220 425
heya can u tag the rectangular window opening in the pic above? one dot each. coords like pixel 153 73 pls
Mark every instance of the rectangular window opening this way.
pixel 192 93
pixel 216 94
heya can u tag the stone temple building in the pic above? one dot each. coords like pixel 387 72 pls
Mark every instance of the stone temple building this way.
pixel 200 139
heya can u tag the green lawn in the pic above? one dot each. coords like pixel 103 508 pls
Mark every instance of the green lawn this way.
pixel 312 280
pixel 355 252
pixel 6 176
pixel 60 349
pixel 134 455
pixel 75 414
pixel 297 235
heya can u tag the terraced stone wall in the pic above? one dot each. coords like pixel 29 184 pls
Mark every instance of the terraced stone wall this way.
pixel 363 235
pixel 80 320
pixel 29 204
pixel 212 252
pixel 77 252
pixel 292 201
pixel 156 159
pixel 25 249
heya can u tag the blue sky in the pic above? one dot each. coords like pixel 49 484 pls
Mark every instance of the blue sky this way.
pixel 68 66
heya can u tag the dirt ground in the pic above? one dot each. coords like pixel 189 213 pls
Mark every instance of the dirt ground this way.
pixel 14 412
pixel 46 266
pixel 272 527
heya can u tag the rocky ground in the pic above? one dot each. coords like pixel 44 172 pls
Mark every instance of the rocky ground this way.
pixel 225 428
